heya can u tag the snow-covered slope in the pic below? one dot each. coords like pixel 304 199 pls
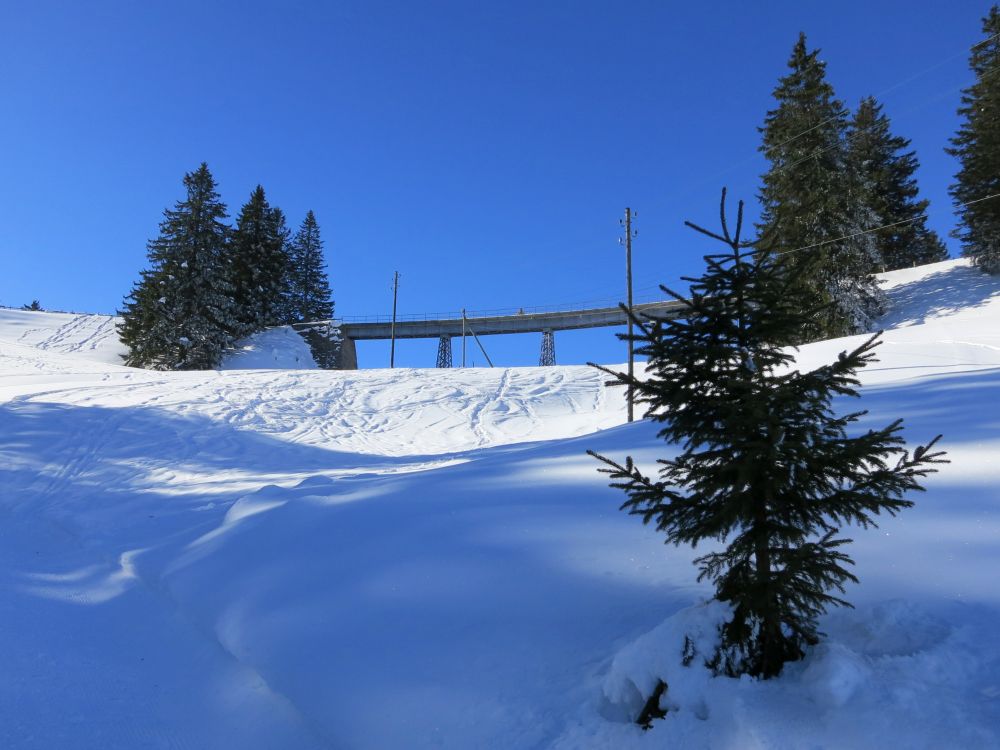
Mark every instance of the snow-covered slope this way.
pixel 422 558
pixel 93 338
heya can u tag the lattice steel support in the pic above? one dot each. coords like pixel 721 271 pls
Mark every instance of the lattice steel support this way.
pixel 548 356
pixel 444 351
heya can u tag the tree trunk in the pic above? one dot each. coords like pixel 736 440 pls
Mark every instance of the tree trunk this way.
pixel 770 633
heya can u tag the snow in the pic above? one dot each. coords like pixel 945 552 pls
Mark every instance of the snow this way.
pixel 94 338
pixel 274 349
pixel 87 337
pixel 299 558
pixel 891 674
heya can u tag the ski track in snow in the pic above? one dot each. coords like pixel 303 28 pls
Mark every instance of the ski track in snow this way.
pixel 424 558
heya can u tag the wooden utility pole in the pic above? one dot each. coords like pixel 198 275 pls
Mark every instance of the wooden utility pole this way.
pixel 392 329
pixel 629 234
pixel 463 337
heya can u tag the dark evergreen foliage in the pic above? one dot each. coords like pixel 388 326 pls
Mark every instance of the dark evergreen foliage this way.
pixel 259 265
pixel 310 298
pixel 325 343
pixel 807 202
pixel 180 315
pixel 977 146
pixel 764 464
pixel 884 174
pixel 281 312
pixel 33 305
pixel 138 328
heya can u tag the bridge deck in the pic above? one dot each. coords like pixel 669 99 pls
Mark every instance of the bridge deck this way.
pixel 518 323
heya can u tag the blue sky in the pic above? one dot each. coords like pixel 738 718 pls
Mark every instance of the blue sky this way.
pixel 484 150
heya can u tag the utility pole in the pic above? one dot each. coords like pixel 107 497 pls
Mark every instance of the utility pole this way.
pixel 463 337
pixel 629 234
pixel 392 329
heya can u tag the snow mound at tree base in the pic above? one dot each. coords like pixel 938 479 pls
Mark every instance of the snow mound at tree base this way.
pixel 274 349
pixel 889 674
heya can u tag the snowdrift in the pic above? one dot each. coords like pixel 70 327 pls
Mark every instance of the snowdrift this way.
pixel 420 558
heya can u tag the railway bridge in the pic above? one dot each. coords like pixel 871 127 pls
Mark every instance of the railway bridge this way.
pixel 444 329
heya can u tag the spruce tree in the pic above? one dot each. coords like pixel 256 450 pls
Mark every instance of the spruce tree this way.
pixel 807 207
pixel 309 287
pixel 281 312
pixel 180 314
pixel 977 146
pixel 259 264
pixel 884 175
pixel 138 329
pixel 764 465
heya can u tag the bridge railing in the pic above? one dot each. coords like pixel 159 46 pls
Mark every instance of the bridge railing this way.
pixel 496 312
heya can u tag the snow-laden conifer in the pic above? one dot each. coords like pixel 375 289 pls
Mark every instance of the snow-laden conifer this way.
pixel 259 264
pixel 806 201
pixel 309 287
pixel 180 315
pixel 884 174
pixel 977 146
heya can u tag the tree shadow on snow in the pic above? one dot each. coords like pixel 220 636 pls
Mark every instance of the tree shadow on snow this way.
pixel 964 406
pixel 958 287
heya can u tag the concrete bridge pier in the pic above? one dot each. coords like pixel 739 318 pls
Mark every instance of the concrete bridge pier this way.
pixel 348 354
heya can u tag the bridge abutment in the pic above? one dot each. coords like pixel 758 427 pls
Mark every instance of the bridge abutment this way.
pixel 348 354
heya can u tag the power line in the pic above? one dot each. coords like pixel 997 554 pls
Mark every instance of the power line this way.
pixel 863 232
pixel 836 144
pixel 935 97
pixel 878 95
pixel 785 252
pixel 641 291
pixel 877 229
pixel 816 153
pixel 897 85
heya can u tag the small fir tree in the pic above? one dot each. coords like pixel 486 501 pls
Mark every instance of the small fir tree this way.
pixel 977 146
pixel 259 264
pixel 180 315
pixel 885 184
pixel 806 202
pixel 309 288
pixel 764 465
pixel 33 305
